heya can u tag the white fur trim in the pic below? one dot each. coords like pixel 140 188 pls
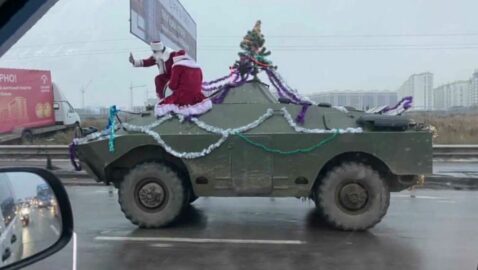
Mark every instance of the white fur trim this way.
pixel 157 46
pixel 161 67
pixel 163 56
pixel 187 63
pixel 195 109
pixel 180 57
pixel 138 63
pixel 185 60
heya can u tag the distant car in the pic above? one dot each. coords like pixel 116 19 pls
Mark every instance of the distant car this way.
pixel 44 196
pixel 11 231
pixel 24 214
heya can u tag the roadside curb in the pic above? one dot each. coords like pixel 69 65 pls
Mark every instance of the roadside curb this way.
pixel 450 182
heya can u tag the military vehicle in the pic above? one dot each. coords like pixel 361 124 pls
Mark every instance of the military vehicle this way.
pixel 348 170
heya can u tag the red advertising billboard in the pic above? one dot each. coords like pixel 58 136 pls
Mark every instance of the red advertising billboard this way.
pixel 26 99
pixel 165 20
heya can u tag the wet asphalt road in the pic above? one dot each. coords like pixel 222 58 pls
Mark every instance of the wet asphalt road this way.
pixel 42 231
pixel 435 230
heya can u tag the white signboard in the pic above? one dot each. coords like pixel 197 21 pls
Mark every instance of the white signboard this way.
pixel 164 20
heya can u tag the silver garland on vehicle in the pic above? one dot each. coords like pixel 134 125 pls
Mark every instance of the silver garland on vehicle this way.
pixel 300 129
pixel 105 133
pixel 169 149
pixel 296 93
pixel 229 131
pixel 224 133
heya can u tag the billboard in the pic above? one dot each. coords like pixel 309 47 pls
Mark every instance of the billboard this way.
pixel 164 20
pixel 26 99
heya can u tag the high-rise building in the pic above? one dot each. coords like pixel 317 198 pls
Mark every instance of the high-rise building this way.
pixel 420 87
pixel 358 99
pixel 455 94
pixel 474 88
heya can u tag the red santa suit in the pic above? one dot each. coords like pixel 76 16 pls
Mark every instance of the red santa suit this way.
pixel 163 58
pixel 186 86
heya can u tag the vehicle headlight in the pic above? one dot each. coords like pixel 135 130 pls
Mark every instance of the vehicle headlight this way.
pixel 25 211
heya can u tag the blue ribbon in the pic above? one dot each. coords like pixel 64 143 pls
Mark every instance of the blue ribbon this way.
pixel 111 126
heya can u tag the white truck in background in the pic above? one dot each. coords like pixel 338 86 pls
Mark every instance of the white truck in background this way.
pixel 32 105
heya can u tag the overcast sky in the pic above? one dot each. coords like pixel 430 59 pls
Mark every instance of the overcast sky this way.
pixel 319 45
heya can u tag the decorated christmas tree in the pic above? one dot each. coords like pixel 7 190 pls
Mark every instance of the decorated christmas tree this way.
pixel 253 54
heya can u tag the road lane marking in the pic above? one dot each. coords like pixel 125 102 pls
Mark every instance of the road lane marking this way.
pixel 419 197
pixel 55 230
pixel 75 253
pixel 162 245
pixel 200 240
pixel 446 201
pixel 438 199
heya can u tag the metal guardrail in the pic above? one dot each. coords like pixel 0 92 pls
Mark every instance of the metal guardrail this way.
pixel 459 151
pixel 34 151
pixel 61 151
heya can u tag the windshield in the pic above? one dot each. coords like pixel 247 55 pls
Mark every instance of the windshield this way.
pixel 252 134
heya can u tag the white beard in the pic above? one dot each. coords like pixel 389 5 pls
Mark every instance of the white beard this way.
pixel 161 58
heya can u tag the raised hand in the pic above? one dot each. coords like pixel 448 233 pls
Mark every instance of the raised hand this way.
pixel 131 58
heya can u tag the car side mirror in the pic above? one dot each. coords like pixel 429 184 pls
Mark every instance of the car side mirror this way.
pixel 35 215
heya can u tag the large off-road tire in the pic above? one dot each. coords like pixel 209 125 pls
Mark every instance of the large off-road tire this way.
pixel 152 195
pixel 352 196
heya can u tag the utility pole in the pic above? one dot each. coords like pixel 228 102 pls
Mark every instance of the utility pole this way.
pixel 83 91
pixel 131 87
pixel 83 97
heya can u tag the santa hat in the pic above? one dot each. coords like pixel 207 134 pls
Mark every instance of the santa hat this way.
pixel 157 46
pixel 179 55
pixel 180 58
pixel 162 51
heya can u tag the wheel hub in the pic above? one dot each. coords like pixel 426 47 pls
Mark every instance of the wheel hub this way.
pixel 151 195
pixel 353 196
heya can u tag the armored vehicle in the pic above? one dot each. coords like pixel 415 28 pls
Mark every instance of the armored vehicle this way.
pixel 346 161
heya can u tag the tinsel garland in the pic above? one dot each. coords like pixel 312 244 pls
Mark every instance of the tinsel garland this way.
pixel 112 128
pixel 217 80
pixel 290 152
pixel 225 133
pixel 73 157
pixel 169 149
pixel 297 128
pixel 403 105
pixel 283 91
pixel 219 99
pixel 213 85
pixel 281 85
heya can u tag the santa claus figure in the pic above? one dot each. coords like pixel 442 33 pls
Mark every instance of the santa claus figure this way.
pixel 182 75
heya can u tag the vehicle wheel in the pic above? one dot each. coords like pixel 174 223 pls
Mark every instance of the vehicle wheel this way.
pixel 27 137
pixel 352 196
pixel 152 195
